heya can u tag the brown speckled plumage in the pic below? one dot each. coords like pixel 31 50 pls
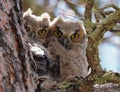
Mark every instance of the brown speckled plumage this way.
pixel 73 60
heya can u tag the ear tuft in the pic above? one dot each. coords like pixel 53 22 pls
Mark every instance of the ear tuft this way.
pixel 27 13
pixel 45 15
pixel 56 20
pixel 29 17
pixel 33 20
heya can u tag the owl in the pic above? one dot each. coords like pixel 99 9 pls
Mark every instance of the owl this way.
pixel 68 41
pixel 37 27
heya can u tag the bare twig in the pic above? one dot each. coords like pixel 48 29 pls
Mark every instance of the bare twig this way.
pixel 114 30
pixel 73 7
pixel 107 12
pixel 110 5
pixel 69 14
pixel 70 2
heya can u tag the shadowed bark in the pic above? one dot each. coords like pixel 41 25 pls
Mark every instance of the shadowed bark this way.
pixel 15 69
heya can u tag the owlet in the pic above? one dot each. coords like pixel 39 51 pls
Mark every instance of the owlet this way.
pixel 37 28
pixel 69 41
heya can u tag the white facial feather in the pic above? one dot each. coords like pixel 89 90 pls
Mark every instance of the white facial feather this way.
pixel 33 19
pixel 28 13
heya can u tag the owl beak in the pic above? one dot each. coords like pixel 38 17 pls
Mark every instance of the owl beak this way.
pixel 66 43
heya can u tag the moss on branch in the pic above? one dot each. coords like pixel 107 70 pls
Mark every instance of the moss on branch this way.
pixel 105 25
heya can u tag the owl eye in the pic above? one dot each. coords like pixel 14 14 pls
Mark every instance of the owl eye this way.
pixel 58 33
pixel 41 31
pixel 74 36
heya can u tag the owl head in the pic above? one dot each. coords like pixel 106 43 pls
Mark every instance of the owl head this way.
pixel 68 32
pixel 38 26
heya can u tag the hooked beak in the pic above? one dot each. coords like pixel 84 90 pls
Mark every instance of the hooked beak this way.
pixel 65 43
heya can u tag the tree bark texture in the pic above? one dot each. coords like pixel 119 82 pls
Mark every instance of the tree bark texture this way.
pixel 15 70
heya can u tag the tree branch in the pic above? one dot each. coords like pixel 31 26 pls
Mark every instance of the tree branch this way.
pixel 88 14
pixel 70 2
pixel 67 13
pixel 72 6
pixel 114 30
pixel 101 14
pixel 110 5
pixel 88 9
pixel 105 25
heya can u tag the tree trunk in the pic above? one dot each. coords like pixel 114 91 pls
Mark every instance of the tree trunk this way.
pixel 93 59
pixel 15 69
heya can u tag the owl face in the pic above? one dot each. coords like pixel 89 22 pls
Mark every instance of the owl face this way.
pixel 69 33
pixel 38 26
pixel 41 31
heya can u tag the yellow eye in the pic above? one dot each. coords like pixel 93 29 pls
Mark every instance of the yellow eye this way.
pixel 58 33
pixel 75 36
pixel 41 31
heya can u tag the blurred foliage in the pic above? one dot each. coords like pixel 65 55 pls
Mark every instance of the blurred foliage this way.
pixel 50 6
pixel 31 4
pixel 36 8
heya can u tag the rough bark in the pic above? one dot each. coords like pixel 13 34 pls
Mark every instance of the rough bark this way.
pixel 15 69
